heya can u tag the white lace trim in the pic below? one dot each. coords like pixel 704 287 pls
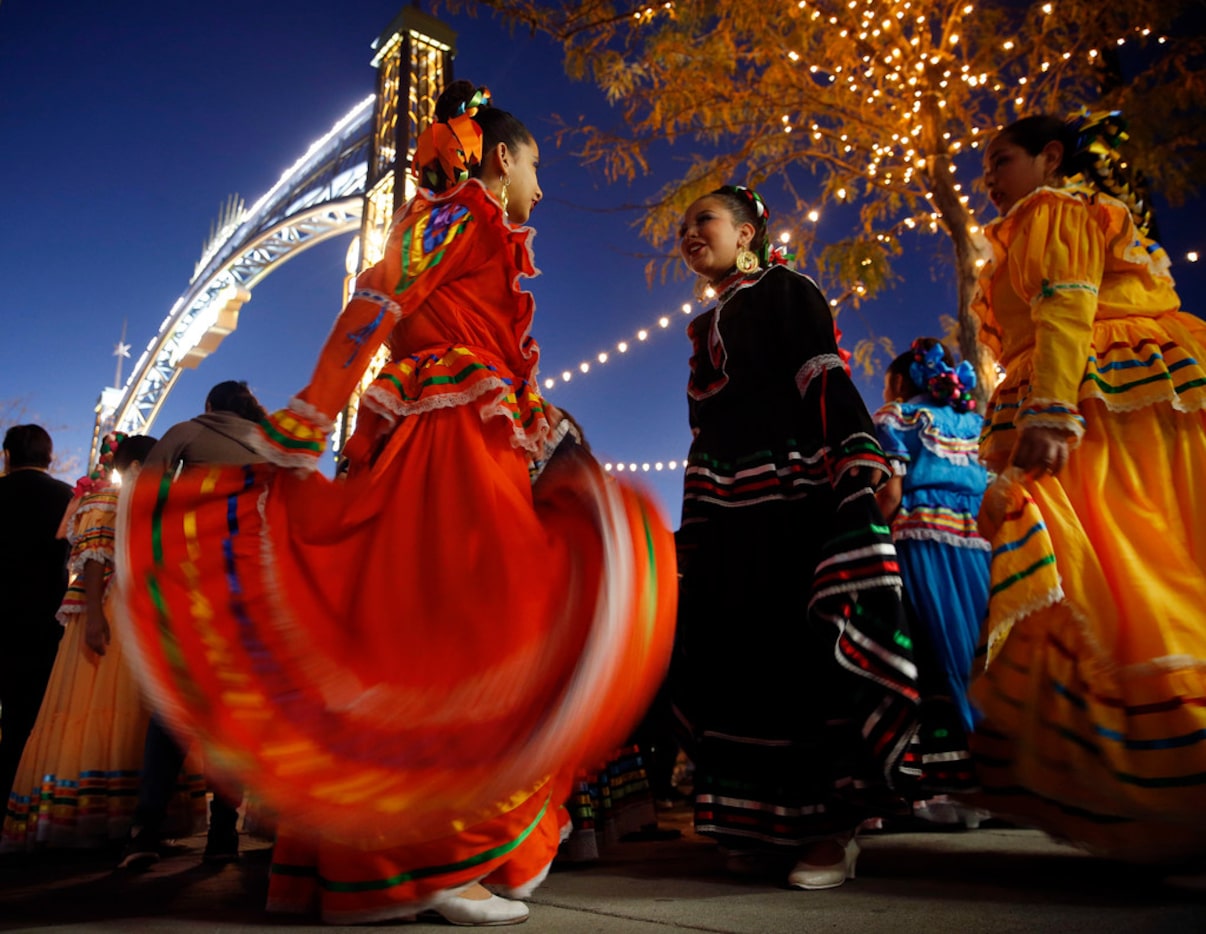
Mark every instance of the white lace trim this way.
pixel 975 543
pixel 814 367
pixel 1066 422
pixel 390 407
pixel 1001 630
pixel 303 409
pixel 379 298
pixel 553 440
pixel 98 505
pixel 99 555
pixel 1178 402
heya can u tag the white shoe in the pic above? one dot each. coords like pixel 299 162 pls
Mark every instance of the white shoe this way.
pixel 939 810
pixel 811 876
pixel 480 912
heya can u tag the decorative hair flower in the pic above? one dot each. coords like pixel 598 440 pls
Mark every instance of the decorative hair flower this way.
pixel 98 477
pixel 946 385
pixel 445 152
pixel 755 199
pixel 780 255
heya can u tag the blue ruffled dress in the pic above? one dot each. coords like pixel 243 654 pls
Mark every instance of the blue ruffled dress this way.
pixel 943 559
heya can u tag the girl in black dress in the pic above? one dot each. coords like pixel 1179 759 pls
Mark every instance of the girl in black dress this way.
pixel 794 674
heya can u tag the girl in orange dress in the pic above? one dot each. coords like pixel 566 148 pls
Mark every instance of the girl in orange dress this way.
pixel 409 663
pixel 1094 693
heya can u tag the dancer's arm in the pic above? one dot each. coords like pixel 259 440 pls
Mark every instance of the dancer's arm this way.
pixel 96 626
pixel 1057 265
pixel 426 248
pixel 830 402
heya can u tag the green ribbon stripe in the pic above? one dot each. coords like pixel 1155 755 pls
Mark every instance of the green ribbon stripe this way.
pixel 1014 578
pixel 373 885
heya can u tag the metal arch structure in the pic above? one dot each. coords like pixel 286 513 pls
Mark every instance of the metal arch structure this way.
pixel 321 196
pixel 353 179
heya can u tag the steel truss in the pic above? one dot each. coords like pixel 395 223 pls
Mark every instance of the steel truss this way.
pixel 320 197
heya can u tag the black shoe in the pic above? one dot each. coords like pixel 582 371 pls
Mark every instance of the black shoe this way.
pixel 140 851
pixel 221 847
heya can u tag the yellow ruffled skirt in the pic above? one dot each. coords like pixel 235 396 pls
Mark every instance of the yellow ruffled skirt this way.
pixel 1094 687
pixel 77 784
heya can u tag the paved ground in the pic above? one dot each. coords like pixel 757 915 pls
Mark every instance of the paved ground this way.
pixel 983 881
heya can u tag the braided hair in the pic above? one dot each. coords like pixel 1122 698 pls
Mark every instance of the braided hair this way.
pixel 747 207
pixel 1090 144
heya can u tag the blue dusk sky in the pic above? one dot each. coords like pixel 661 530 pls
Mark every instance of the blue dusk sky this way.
pixel 125 125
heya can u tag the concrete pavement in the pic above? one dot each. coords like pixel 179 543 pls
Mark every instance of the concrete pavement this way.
pixel 980 881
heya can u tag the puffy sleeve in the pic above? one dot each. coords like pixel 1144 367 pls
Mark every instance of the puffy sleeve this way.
pixel 1057 264
pixel 429 245
pixel 91 539
pixel 892 427
pixel 831 406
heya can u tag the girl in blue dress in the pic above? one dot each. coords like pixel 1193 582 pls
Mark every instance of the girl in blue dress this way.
pixel 930 431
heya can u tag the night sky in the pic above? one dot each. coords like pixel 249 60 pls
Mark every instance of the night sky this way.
pixel 125 125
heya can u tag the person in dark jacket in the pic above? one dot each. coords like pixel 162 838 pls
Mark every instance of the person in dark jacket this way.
pixel 217 436
pixel 33 579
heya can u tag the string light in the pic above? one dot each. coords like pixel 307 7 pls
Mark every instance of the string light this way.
pixel 920 69
pixel 604 356
pixel 646 467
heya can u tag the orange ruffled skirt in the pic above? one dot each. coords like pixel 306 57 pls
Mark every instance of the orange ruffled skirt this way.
pixel 1094 692
pixel 408 663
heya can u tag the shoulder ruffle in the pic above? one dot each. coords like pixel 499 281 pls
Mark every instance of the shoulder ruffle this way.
pixel 472 194
pixel 1124 241
pixel 515 248
pixel 905 418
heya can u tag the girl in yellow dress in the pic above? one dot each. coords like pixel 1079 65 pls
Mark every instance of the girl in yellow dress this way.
pixel 1094 685
pixel 77 783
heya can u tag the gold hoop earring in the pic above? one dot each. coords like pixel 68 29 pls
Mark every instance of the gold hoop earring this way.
pixel 747 260
pixel 506 183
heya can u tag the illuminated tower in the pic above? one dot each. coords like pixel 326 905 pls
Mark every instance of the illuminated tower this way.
pixel 414 64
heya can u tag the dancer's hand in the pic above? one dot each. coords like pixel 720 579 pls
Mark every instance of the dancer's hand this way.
pixel 1003 496
pixel 1041 451
pixel 96 632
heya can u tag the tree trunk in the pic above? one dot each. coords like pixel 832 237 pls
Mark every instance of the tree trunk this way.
pixel 957 222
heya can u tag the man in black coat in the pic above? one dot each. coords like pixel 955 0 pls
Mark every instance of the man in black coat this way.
pixel 33 578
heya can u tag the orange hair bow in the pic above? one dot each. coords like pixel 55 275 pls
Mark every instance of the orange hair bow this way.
pixel 446 152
